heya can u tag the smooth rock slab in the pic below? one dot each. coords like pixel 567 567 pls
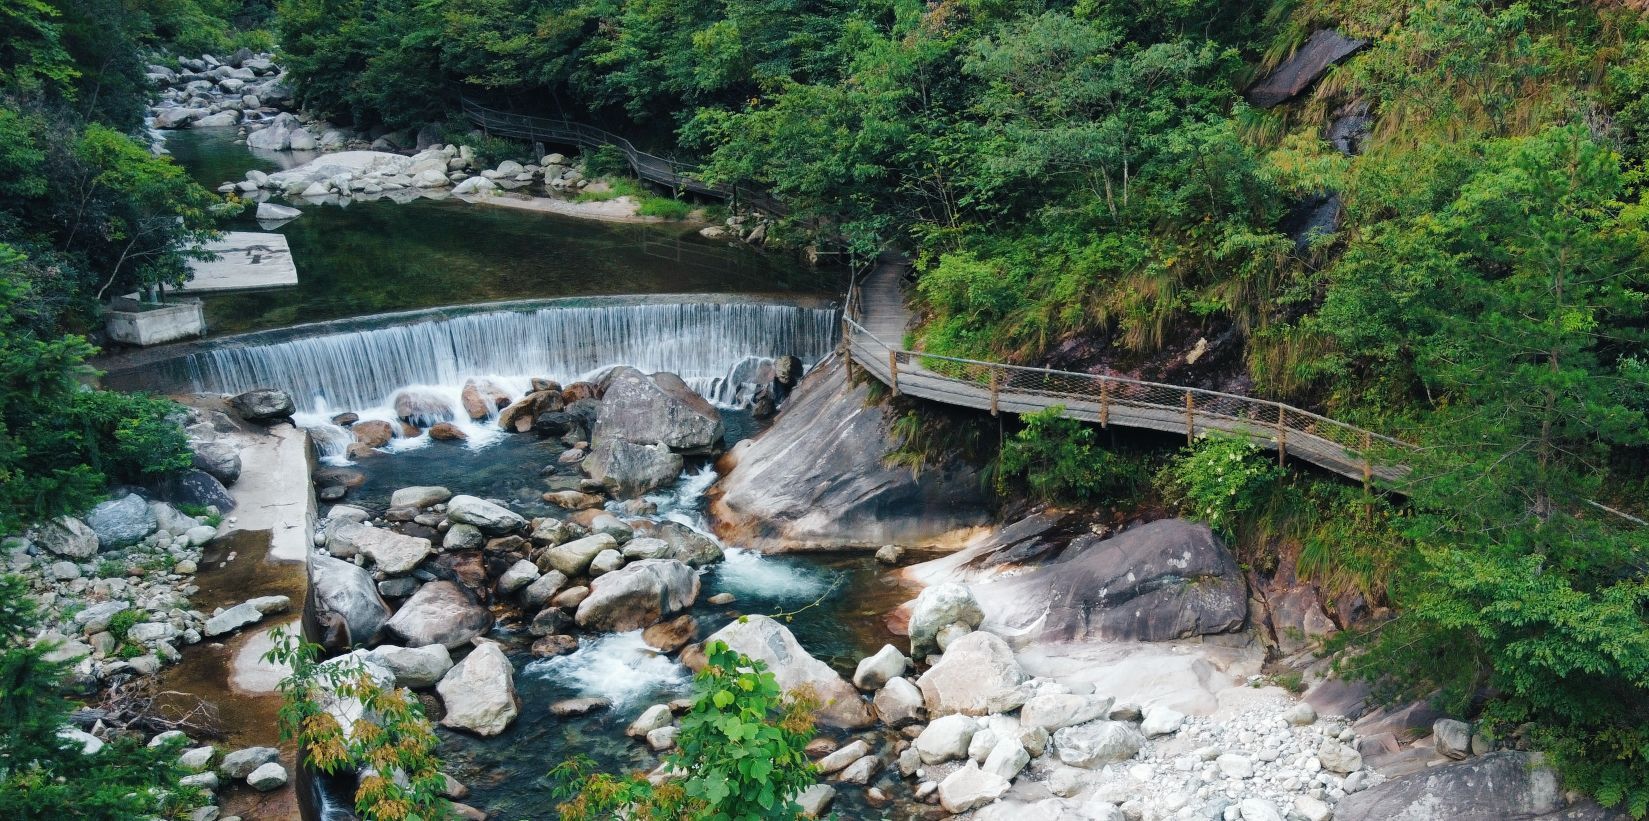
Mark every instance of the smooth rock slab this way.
pixel 439 613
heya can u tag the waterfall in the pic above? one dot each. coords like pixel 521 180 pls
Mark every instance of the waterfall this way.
pixel 717 348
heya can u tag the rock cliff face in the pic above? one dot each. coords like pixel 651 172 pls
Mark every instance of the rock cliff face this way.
pixel 817 479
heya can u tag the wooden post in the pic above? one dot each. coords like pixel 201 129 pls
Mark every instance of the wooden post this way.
pixel 893 370
pixel 1282 439
pixel 993 391
pixel 1104 402
pixel 1368 464
pixel 1190 420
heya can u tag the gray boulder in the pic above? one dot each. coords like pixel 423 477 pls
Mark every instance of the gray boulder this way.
pixel 391 552
pixel 121 522
pixel 67 536
pixel 240 763
pixel 629 469
pixel 899 703
pixel 413 666
pixel 760 637
pixel 1500 785
pixel 494 520
pixel 878 669
pixel 270 212
pixel 936 607
pixel 1164 580
pixel 1098 743
pixel 638 595
pixel 687 545
pixel 574 557
pixel 220 459
pixel 656 409
pixel 264 406
pixel 976 676
pixel 345 595
pixel 819 478
pixel 419 496
pixel 439 613
pixel 479 692
pixel 268 777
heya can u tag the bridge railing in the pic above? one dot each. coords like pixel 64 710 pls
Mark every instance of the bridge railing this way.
pixel 995 386
pixel 667 171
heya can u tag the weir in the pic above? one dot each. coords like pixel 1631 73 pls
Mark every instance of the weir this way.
pixel 717 348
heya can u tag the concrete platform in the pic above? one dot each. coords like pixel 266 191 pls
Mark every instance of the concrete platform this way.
pixel 246 259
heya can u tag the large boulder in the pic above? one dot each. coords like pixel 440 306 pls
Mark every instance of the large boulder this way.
pixel 1500 785
pixel 193 487
pixel 345 595
pixel 937 606
pixel 68 537
pixel 1168 579
pixel 1294 75
pixel 969 788
pixel 121 522
pixel 439 613
pixel 494 520
pixel 687 545
pixel 766 640
pixel 629 469
pixel 574 557
pixel 413 666
pixel 976 676
pixel 391 552
pixel 640 594
pixel 264 406
pixel 479 692
pixel 220 459
pixel 819 478
pixel 656 409
pixel 1098 743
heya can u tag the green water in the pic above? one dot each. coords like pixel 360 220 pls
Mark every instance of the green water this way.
pixel 374 257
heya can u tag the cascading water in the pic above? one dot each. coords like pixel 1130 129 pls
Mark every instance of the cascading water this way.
pixel 717 348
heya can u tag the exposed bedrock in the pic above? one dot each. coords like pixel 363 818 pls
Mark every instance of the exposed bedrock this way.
pixel 1168 579
pixel 818 479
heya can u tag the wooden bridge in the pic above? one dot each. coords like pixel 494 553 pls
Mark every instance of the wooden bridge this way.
pixel 673 174
pixel 874 325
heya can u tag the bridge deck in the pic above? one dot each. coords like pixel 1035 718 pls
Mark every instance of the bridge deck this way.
pixel 878 320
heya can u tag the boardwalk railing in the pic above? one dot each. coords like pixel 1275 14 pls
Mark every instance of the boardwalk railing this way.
pixel 1115 400
pixel 676 175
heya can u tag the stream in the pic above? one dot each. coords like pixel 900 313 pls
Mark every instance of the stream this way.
pixel 374 265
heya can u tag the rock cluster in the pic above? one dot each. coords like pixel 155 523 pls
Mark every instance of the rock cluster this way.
pixel 419 585
pixel 205 92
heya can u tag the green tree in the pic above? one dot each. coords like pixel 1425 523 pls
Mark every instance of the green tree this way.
pixel 61 443
pixel 741 755
pixel 1059 461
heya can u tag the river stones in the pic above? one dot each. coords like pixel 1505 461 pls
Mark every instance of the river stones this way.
pixel 574 557
pixel 482 398
pixel 479 692
pixel 670 636
pixel 977 676
pixel 420 496
pixel 876 670
pixel 220 459
pixel 391 552
pixel 638 595
pixel 439 613
pixel 899 703
pixel 346 596
pixel 1098 743
pixel 762 638
pixel 630 469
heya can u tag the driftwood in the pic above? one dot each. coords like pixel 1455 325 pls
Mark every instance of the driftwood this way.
pixel 138 705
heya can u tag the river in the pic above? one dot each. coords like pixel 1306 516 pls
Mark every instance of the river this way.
pixel 593 302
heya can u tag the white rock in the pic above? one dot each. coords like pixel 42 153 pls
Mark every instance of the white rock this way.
pixel 1161 721
pixel 899 703
pixel 651 719
pixel 1235 766
pixel 842 757
pixel 876 670
pixel 1007 758
pixel 519 575
pixel 89 744
pixel 414 666
pixel 1098 743
pixel 946 739
pixel 969 788
pixel 1053 711
pixel 267 777
pixel 1257 809
pixel 479 692
pixel 1310 809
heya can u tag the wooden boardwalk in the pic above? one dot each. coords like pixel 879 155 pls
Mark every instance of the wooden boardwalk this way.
pixel 673 174
pixel 876 320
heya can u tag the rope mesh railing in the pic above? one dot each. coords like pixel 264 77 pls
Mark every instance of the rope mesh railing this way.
pixel 994 386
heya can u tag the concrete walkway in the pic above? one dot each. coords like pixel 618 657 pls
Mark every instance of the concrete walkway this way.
pixel 246 259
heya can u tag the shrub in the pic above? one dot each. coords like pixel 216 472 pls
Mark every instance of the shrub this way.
pixel 606 161
pixel 666 207
pixel 1059 461
pixel 1218 480
pixel 741 752
pixel 398 737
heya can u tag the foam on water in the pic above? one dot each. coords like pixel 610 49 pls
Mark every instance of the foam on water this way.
pixel 748 574
pixel 619 667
